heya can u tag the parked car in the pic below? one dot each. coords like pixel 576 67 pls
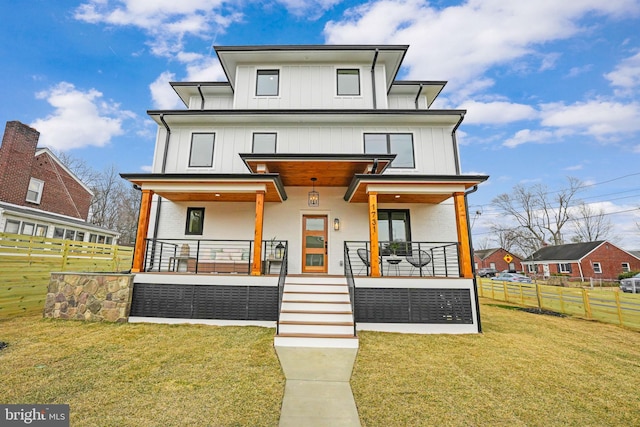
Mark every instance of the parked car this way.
pixel 631 284
pixel 486 272
pixel 512 277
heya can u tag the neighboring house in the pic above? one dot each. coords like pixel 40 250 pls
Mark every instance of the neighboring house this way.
pixel 497 258
pixel 39 196
pixel 317 158
pixel 598 260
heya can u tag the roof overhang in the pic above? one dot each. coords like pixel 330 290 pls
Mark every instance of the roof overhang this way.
pixel 390 56
pixel 211 187
pixel 330 170
pixel 186 90
pixel 429 189
pixel 430 89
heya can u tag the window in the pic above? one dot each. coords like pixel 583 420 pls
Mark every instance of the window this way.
pixel 93 238
pixel 108 240
pixel 492 265
pixel 597 268
pixel 393 226
pixel 625 267
pixel 531 268
pixel 348 82
pixel 202 150
pixel 11 226
pixel 58 233
pixel 264 143
pixel 27 228
pixel 34 193
pixel 400 144
pixel 69 234
pixel 564 268
pixel 80 236
pixel 195 220
pixel 41 230
pixel 267 82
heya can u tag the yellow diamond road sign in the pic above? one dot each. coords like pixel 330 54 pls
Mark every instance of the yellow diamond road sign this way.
pixel 508 258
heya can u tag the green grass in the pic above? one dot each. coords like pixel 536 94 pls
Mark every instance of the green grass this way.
pixel 143 375
pixel 524 370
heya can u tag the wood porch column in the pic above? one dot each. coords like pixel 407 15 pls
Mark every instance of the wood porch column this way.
pixel 143 229
pixel 256 265
pixel 463 235
pixel 373 234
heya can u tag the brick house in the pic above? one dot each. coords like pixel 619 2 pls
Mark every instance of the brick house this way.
pixel 497 258
pixel 598 260
pixel 39 196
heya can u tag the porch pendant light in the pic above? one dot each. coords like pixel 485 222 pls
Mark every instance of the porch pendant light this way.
pixel 314 196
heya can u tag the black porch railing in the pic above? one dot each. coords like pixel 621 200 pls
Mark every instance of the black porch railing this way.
pixel 348 273
pixel 281 279
pixel 200 256
pixel 405 259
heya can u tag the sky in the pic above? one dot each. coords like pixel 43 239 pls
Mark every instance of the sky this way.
pixel 551 88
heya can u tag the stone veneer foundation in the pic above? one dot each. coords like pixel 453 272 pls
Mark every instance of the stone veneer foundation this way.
pixel 89 296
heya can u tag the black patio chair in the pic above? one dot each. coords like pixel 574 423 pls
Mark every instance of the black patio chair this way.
pixel 418 259
pixel 365 256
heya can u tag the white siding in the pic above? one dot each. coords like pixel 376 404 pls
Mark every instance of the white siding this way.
pixel 304 87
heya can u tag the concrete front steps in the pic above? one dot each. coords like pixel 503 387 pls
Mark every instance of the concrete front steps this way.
pixel 316 312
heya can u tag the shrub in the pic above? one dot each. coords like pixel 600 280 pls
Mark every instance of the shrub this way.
pixel 627 275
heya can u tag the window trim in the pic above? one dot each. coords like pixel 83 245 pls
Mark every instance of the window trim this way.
pixel 199 232
pixel 275 141
pixel 14 222
pixel 626 267
pixel 388 143
pixel 267 72
pixel 564 267
pixel 213 149
pixel 338 74
pixel 38 193
pixel 597 270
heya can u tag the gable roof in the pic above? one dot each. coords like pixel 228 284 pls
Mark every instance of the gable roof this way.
pixel 485 253
pixel 45 150
pixel 567 253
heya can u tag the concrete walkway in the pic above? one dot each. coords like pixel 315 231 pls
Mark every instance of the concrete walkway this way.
pixel 317 392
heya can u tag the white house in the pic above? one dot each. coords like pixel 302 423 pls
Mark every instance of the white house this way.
pixel 314 159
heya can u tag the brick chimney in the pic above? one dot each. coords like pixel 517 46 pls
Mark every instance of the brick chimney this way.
pixel 16 157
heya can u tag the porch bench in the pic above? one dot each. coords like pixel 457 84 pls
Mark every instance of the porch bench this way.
pixel 228 260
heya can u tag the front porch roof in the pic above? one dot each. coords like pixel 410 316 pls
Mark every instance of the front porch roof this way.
pixel 211 187
pixel 331 170
pixel 431 189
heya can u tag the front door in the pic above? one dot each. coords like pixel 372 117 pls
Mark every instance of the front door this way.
pixel 314 244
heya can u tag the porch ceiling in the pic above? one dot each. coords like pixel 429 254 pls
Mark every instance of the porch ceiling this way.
pixel 330 170
pixel 210 187
pixel 427 189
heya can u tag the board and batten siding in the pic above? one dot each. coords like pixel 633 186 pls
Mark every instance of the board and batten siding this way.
pixel 318 83
pixel 433 146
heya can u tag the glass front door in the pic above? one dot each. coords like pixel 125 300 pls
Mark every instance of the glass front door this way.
pixel 314 244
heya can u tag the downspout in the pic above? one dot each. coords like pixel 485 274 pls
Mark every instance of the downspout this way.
pixel 373 79
pixel 418 96
pixel 455 143
pixel 201 98
pixel 473 264
pixel 156 221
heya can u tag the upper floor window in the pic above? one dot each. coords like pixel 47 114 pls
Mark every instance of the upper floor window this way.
pixel 625 267
pixel 348 82
pixel 264 143
pixel 202 150
pixel 267 82
pixel 34 193
pixel 400 144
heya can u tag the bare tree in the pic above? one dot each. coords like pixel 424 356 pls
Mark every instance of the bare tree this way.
pixel 542 214
pixel 591 224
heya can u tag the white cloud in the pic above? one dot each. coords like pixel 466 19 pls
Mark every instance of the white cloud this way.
pixel 600 119
pixel 459 43
pixel 146 168
pixel 205 70
pixel 163 95
pixel 311 9
pixel 627 74
pixel 574 168
pixel 167 22
pixel 80 118
pixel 497 112
pixel 527 135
